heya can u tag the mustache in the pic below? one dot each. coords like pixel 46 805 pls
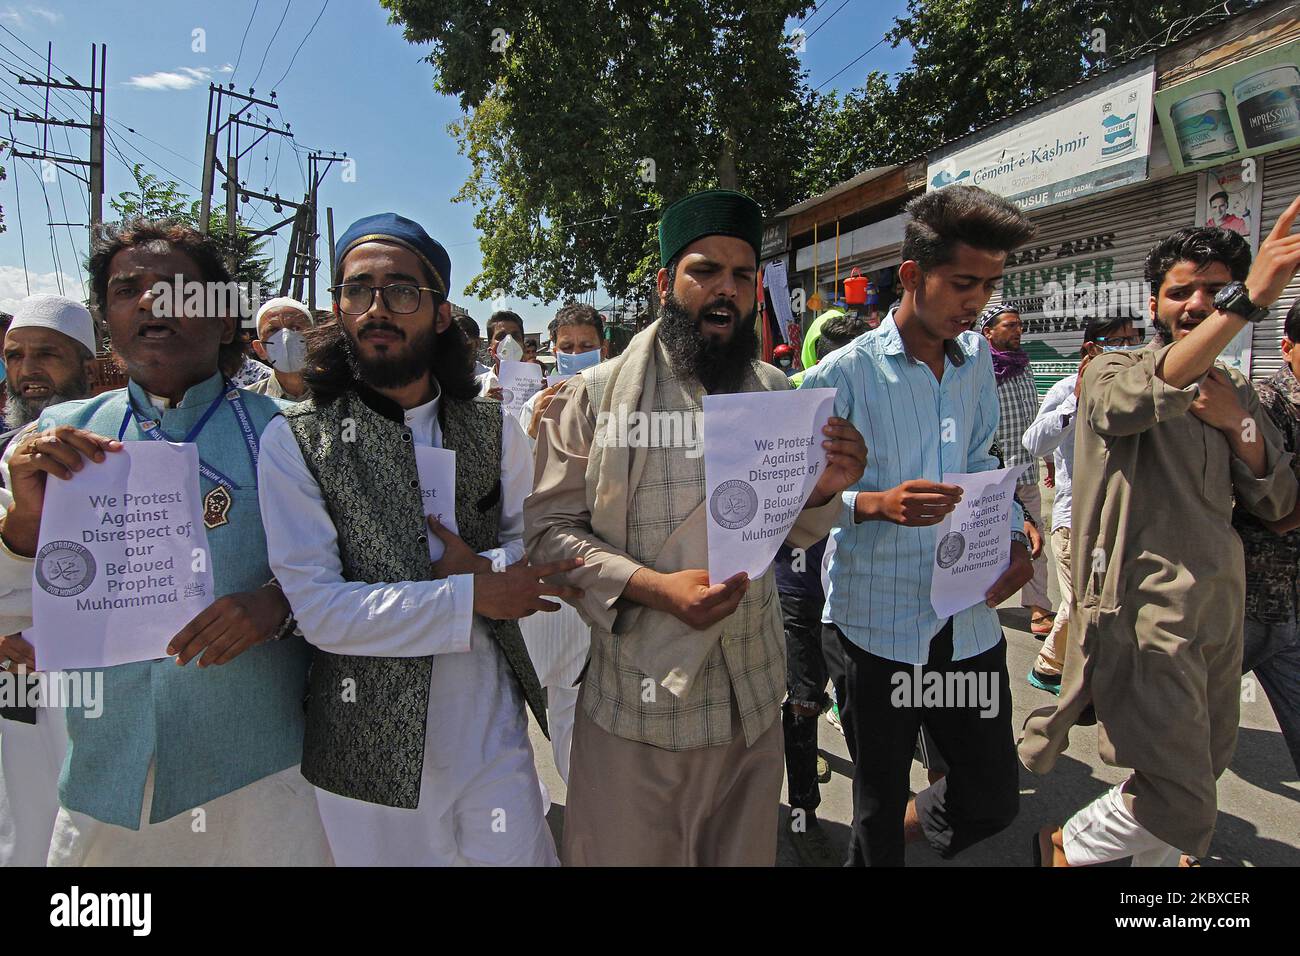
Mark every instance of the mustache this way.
pixel 380 326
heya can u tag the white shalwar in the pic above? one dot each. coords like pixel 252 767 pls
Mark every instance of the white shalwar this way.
pixel 480 798
pixel 1106 830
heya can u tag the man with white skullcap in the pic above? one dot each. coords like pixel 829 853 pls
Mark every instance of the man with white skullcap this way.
pixel 282 344
pixel 49 354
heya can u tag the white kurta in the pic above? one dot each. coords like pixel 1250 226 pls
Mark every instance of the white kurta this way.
pixel 559 645
pixel 480 799
pixel 31 755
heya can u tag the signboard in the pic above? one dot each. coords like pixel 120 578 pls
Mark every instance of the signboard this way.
pixel 1248 108
pixel 1094 144
pixel 776 239
pixel 1057 286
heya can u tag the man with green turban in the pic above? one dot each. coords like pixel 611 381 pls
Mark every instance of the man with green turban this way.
pixel 677 751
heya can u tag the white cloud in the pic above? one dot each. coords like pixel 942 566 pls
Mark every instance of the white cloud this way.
pixel 23 18
pixel 180 79
pixel 13 286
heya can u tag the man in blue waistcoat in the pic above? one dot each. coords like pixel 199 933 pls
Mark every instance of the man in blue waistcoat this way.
pixel 194 758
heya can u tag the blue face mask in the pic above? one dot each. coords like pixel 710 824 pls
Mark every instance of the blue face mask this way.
pixel 566 364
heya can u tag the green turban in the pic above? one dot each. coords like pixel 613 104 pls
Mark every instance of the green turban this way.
pixel 714 212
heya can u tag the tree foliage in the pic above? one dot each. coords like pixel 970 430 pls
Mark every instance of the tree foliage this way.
pixel 583 119
pixel 155 198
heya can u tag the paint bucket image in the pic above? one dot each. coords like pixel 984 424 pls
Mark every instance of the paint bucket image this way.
pixel 1202 127
pixel 1268 105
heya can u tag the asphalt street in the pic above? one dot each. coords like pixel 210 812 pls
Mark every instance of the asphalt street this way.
pixel 1259 795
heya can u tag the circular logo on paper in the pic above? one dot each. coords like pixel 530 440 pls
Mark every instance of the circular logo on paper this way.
pixel 507 396
pixel 64 568
pixel 951 547
pixel 733 504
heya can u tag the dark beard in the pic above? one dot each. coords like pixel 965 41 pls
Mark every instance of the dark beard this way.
pixel 720 367
pixel 21 411
pixel 413 363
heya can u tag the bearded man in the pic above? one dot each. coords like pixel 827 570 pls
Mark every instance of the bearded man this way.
pixel 677 749
pixel 49 353
pixel 416 738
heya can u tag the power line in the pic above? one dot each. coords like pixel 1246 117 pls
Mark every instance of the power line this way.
pixel 828 19
pixel 271 42
pixel 247 27
pixel 18 198
pixel 854 60
pixel 277 83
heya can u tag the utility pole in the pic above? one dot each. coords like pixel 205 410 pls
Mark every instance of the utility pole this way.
pixel 300 262
pixel 94 164
pixel 317 165
pixel 233 123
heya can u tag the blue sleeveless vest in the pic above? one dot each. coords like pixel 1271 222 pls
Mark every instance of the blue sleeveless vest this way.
pixel 209 731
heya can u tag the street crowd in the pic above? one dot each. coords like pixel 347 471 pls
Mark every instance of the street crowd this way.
pixel 353 696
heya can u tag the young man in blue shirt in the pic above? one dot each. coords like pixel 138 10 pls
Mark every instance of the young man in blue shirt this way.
pixel 921 390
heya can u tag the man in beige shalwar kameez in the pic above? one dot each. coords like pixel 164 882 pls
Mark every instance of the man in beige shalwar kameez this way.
pixel 677 753
pixel 1166 438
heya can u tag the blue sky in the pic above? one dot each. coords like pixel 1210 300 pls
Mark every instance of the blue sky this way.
pixel 356 86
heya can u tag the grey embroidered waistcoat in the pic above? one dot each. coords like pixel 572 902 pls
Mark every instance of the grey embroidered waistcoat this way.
pixel 366 716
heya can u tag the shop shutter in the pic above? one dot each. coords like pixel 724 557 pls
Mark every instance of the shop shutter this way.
pixel 1104 239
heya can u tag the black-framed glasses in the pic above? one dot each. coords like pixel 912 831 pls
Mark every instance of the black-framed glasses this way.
pixel 401 298
pixel 1137 338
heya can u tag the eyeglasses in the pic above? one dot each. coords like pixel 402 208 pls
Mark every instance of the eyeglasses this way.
pixel 400 298
pixel 1137 338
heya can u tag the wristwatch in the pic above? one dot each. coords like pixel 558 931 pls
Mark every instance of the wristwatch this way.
pixel 1233 298
pixel 1019 537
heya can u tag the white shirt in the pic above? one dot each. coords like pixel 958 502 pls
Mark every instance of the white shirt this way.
pixel 486 382
pixel 398 619
pixel 1053 431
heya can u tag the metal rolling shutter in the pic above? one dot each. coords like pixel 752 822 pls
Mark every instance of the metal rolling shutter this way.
pixel 1281 185
pixel 1110 234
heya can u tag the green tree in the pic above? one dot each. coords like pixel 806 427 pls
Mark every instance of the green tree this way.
pixel 583 119
pixel 154 198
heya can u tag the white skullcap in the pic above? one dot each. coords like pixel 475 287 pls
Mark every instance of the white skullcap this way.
pixel 58 313
pixel 281 302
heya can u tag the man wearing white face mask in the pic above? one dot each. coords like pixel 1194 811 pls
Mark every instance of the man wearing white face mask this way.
pixel 281 343
pixel 578 341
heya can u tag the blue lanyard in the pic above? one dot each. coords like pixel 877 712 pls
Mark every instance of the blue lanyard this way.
pixel 153 430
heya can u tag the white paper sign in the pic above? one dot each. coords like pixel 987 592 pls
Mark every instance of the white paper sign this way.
pixel 519 380
pixel 123 561
pixel 437 468
pixel 973 544
pixel 762 457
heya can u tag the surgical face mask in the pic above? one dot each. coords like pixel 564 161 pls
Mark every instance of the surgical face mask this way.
pixel 286 350
pixel 509 350
pixel 785 363
pixel 567 364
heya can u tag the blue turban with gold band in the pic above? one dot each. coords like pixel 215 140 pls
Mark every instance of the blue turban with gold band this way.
pixel 390 227
pixel 714 212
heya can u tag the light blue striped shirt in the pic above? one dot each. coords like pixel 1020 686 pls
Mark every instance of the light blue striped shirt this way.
pixel 915 427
